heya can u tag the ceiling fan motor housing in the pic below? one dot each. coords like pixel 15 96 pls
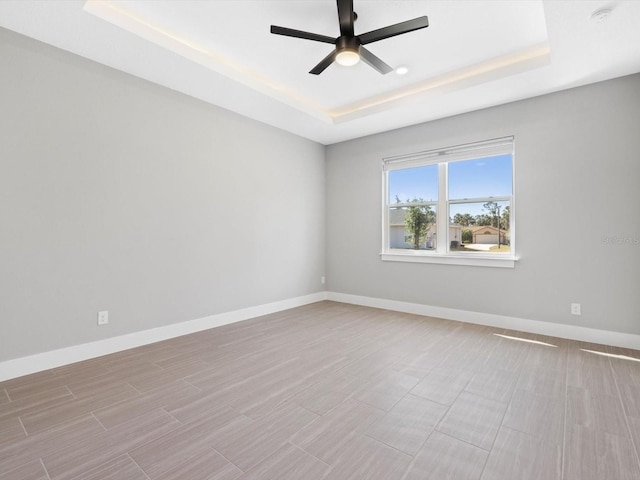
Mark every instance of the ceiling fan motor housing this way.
pixel 348 43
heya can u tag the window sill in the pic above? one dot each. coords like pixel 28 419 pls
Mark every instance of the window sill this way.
pixel 477 260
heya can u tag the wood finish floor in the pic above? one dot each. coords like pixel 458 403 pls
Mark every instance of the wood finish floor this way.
pixel 331 391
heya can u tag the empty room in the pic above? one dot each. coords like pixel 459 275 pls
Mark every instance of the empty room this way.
pixel 319 240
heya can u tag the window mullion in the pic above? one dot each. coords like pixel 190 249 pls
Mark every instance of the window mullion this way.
pixel 481 200
pixel 385 210
pixel 442 218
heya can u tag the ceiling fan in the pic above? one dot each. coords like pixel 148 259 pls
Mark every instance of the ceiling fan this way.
pixel 349 46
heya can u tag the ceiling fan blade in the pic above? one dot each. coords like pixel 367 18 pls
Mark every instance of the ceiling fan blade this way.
pixel 345 15
pixel 373 61
pixel 290 32
pixel 326 61
pixel 393 30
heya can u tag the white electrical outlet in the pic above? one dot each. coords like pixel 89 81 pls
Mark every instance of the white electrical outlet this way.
pixel 575 309
pixel 103 317
pixel 323 280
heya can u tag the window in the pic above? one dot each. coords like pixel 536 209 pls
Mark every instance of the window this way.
pixel 452 205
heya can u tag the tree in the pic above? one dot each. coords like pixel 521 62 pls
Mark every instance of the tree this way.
pixel 467 236
pixel 463 219
pixel 417 221
pixel 483 220
pixel 494 212
pixel 505 218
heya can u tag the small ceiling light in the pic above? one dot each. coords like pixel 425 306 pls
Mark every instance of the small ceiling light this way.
pixel 402 70
pixel 601 15
pixel 347 58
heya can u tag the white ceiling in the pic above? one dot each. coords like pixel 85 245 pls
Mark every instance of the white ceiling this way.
pixel 475 54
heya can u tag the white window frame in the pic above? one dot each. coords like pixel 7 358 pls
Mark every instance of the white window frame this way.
pixel 442 157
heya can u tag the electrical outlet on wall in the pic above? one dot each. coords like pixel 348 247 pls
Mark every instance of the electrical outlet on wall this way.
pixel 575 309
pixel 323 280
pixel 103 317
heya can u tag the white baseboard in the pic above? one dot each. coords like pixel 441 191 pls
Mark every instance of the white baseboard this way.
pixel 572 332
pixel 64 356
pixel 56 358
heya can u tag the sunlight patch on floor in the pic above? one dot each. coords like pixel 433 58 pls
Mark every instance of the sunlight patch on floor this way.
pixel 611 355
pixel 520 339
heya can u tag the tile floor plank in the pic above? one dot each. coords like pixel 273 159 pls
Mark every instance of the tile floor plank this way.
pixel 48 442
pixel 181 443
pixel 120 468
pixel 36 383
pixel 549 383
pixel 328 435
pixel 443 385
pixel 540 416
pixel 250 443
pixel 10 432
pixel 596 410
pixel 593 455
pixel 588 370
pixel 445 458
pixel 79 459
pixel 328 392
pixel 518 455
pixel 385 390
pixel 173 393
pixel 206 464
pixel 634 426
pixel 493 383
pixel 42 420
pixel 625 369
pixel 630 395
pixel 30 471
pixel 366 458
pixel 288 463
pixel 408 424
pixel 474 419
pixel 36 402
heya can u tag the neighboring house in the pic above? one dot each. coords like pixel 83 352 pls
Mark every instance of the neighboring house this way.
pixel 488 235
pixel 455 234
pixel 399 237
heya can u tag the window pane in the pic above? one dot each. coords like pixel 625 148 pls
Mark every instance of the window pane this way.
pixel 482 177
pixel 480 227
pixel 412 227
pixel 409 185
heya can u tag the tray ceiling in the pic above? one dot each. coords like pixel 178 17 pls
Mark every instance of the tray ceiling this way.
pixel 474 54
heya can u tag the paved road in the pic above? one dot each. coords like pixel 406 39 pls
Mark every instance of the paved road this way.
pixel 482 247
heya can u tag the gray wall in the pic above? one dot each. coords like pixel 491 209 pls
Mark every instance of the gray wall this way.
pixel 119 195
pixel 577 180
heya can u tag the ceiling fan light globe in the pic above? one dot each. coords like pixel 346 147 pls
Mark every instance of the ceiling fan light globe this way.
pixel 347 58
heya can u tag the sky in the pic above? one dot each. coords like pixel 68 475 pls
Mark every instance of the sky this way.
pixel 483 177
